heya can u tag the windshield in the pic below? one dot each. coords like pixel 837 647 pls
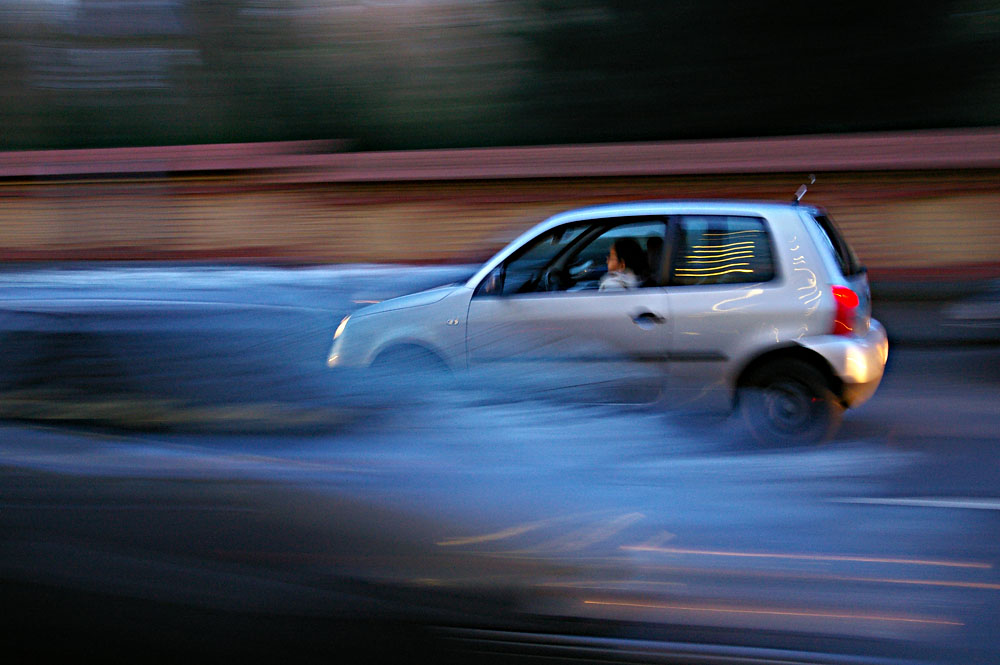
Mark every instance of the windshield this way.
pixel 526 265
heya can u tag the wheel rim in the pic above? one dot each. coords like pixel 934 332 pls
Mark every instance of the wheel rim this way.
pixel 789 406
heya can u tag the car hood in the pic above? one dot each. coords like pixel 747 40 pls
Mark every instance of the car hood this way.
pixel 419 299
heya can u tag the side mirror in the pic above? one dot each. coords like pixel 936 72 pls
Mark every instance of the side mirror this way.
pixel 493 284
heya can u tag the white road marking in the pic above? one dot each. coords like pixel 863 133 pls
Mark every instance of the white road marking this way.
pixel 974 503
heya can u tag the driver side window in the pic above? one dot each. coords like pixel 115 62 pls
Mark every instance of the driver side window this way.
pixel 575 257
pixel 588 265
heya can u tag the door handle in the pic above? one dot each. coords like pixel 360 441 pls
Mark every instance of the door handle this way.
pixel 646 320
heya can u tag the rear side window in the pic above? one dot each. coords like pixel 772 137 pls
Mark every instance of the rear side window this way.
pixel 846 259
pixel 710 249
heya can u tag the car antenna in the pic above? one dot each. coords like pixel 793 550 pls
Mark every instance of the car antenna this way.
pixel 803 188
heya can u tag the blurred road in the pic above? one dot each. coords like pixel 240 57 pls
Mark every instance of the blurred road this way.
pixel 193 487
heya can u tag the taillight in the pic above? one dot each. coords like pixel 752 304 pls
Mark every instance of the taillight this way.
pixel 846 315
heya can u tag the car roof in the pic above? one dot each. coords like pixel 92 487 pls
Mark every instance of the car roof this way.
pixel 674 207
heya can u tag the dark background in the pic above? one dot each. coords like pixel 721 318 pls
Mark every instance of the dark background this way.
pixel 388 74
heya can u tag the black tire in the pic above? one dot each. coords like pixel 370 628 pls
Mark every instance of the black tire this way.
pixel 787 402
pixel 410 366
pixel 407 376
pixel 410 357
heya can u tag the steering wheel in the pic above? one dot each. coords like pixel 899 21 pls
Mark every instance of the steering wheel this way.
pixel 552 280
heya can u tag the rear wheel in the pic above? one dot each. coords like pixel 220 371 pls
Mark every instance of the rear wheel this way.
pixel 789 401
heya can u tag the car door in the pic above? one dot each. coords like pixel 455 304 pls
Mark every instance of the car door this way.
pixel 723 294
pixel 558 333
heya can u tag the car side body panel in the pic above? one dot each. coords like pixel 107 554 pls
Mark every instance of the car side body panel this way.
pixel 607 346
pixel 433 322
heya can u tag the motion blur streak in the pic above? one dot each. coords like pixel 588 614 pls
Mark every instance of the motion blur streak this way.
pixel 944 583
pixel 490 537
pixel 788 575
pixel 605 585
pixel 784 613
pixel 586 537
pixel 950 502
pixel 809 557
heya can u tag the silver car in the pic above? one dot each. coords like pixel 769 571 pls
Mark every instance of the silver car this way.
pixel 758 307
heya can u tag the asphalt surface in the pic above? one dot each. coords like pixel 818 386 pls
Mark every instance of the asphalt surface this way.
pixel 182 481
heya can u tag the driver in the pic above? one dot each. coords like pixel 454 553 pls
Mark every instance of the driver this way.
pixel 626 262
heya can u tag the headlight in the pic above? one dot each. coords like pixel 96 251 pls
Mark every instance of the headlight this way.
pixel 340 328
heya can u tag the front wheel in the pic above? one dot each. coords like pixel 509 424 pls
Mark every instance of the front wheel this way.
pixel 411 367
pixel 787 402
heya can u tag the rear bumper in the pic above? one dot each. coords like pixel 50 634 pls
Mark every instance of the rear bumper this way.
pixel 856 394
pixel 859 362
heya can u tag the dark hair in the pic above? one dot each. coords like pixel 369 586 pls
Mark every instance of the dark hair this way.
pixel 631 254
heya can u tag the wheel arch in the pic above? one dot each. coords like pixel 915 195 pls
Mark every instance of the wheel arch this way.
pixel 789 352
pixel 403 346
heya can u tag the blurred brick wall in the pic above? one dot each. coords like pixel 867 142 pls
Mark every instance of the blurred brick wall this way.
pixel 937 214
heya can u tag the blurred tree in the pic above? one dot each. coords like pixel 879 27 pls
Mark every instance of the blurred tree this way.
pixel 446 73
pixel 630 70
